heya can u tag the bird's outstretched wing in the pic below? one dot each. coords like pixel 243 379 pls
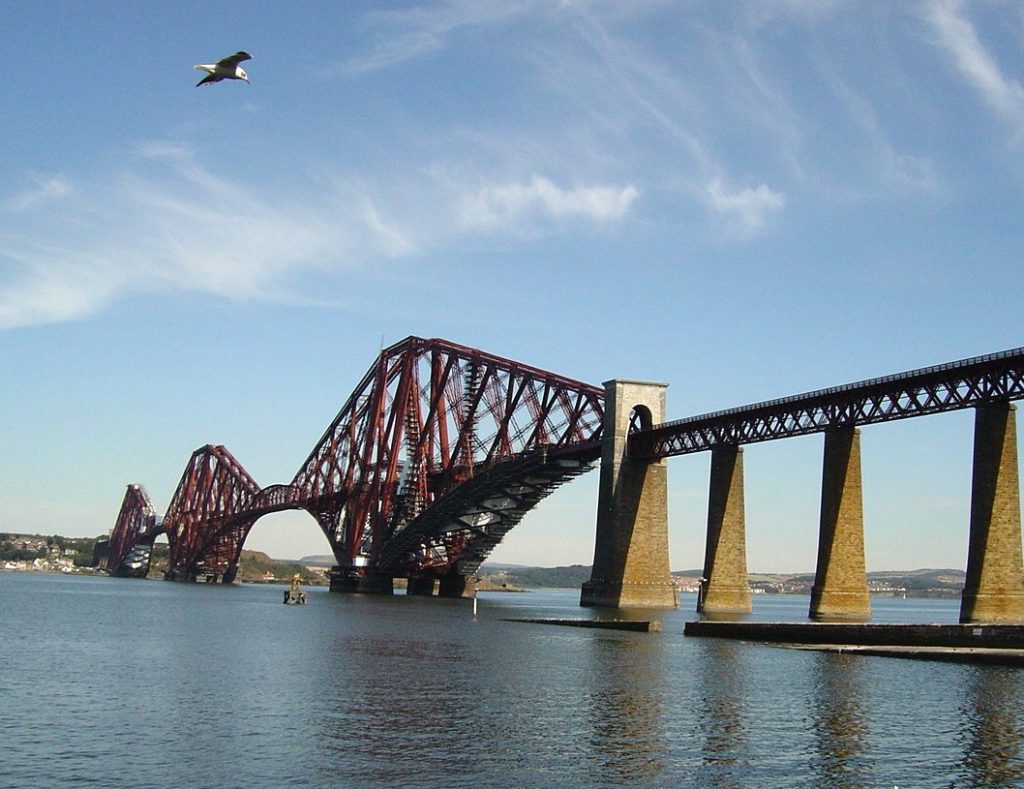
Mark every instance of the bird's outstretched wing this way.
pixel 209 79
pixel 233 60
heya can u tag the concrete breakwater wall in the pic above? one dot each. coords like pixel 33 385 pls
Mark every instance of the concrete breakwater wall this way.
pixel 994 636
pixel 642 626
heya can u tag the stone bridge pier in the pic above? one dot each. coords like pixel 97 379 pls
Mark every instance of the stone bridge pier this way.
pixel 725 587
pixel 994 588
pixel 631 564
pixel 840 590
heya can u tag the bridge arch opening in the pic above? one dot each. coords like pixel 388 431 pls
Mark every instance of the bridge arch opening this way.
pixel 288 536
pixel 640 418
pixel 557 532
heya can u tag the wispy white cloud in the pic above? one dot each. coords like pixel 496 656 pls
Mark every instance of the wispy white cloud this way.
pixel 168 223
pixel 746 209
pixel 792 11
pixel 890 168
pixel 414 33
pixel 674 106
pixel 504 205
pixel 43 190
pixel 610 99
pixel 959 38
pixel 54 284
pixel 605 101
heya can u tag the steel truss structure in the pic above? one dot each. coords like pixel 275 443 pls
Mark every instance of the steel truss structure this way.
pixel 137 525
pixel 963 384
pixel 425 467
pixel 209 516
pixel 439 451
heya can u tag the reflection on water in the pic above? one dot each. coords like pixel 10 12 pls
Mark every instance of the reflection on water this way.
pixel 129 683
pixel 990 707
pixel 720 714
pixel 839 720
pixel 624 706
pixel 398 703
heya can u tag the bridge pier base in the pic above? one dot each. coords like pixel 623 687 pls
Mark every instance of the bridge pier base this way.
pixel 725 586
pixel 345 580
pixel 631 565
pixel 994 588
pixel 840 590
pixel 457 586
pixel 421 587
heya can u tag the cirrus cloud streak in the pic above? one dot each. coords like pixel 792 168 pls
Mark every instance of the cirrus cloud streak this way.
pixel 958 36
pixel 169 224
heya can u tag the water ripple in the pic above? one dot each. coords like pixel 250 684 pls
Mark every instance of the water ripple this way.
pixel 123 683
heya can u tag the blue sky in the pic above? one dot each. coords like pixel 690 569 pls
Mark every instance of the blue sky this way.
pixel 743 200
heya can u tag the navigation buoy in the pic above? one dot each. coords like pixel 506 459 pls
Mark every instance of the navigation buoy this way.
pixel 294 595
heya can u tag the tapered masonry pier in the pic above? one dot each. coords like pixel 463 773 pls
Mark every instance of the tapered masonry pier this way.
pixel 631 564
pixel 994 588
pixel 725 588
pixel 840 590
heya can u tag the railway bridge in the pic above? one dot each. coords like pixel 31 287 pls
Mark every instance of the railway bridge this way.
pixel 441 449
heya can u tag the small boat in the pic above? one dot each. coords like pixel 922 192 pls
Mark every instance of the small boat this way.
pixel 293 595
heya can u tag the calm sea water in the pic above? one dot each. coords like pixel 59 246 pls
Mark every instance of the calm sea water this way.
pixel 130 683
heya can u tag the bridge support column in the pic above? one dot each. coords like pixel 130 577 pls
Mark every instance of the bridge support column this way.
pixel 994 589
pixel 457 586
pixel 346 580
pixel 631 565
pixel 421 587
pixel 725 587
pixel 840 590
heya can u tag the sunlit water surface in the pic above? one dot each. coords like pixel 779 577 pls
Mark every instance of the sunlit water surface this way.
pixel 129 683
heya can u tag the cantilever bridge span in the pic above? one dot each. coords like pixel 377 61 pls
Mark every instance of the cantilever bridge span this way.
pixel 439 451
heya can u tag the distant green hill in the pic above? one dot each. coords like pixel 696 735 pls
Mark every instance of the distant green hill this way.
pixel 571 576
pixel 320 560
pixel 257 567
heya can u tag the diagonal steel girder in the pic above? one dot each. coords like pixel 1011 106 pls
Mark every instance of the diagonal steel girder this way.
pixel 210 514
pixel 428 417
pixel 459 531
pixel 137 524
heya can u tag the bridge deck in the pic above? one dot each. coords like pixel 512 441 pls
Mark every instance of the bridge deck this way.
pixel 947 387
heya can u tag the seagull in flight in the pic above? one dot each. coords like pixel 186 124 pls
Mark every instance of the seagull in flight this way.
pixel 225 68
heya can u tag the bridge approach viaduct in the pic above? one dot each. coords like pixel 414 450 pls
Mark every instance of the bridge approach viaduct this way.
pixel 631 547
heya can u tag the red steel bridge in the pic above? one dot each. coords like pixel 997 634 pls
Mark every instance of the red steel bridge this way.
pixel 439 451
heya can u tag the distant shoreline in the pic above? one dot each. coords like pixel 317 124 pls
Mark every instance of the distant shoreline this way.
pixel 488 584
